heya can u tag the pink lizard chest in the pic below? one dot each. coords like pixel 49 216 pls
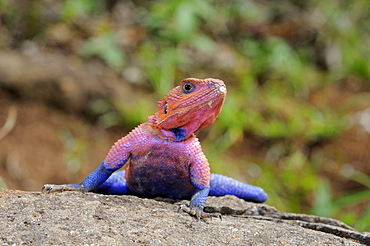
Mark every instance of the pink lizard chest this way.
pixel 158 167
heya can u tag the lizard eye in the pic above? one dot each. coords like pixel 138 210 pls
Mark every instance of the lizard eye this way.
pixel 188 87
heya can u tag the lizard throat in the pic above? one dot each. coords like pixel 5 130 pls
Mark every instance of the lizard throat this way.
pixel 177 134
pixel 180 134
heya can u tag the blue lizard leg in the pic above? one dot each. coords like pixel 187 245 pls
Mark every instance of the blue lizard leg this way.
pixel 114 185
pixel 96 178
pixel 91 182
pixel 222 185
pixel 197 204
pixel 199 198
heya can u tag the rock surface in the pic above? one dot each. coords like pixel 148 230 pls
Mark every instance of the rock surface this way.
pixel 73 218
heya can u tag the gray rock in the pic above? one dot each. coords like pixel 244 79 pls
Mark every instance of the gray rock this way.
pixel 73 218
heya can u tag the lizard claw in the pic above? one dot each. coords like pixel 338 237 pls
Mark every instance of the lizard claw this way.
pixel 50 188
pixel 198 212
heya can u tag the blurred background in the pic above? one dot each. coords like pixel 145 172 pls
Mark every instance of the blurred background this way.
pixel 77 75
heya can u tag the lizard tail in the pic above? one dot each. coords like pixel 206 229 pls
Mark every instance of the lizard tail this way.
pixel 222 185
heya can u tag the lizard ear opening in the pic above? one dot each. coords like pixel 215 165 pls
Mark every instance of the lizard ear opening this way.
pixel 165 108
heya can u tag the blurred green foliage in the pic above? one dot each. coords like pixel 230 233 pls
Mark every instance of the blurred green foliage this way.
pixel 75 150
pixel 70 9
pixel 104 46
pixel 274 56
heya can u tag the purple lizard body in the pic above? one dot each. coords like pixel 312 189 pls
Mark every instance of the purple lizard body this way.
pixel 163 157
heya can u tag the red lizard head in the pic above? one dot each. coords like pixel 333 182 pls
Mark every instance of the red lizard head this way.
pixel 192 105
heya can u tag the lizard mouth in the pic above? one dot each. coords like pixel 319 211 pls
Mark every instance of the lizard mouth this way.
pixel 216 95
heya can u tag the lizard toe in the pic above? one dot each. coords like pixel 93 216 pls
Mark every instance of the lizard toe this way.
pixel 198 212
pixel 50 188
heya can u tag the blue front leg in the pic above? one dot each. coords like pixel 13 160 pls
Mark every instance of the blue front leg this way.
pixel 197 204
pixel 115 185
pixel 91 182
pixel 96 178
pixel 199 198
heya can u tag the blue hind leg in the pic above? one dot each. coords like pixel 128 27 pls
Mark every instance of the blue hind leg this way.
pixel 222 185
pixel 115 185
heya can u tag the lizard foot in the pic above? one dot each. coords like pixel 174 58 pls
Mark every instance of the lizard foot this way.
pixel 50 188
pixel 199 213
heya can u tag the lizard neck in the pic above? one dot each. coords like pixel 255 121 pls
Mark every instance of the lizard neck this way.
pixel 175 134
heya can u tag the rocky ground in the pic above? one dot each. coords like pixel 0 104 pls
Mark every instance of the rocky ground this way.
pixel 71 218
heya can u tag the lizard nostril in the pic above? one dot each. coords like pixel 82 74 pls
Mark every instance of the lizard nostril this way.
pixel 219 85
pixel 222 88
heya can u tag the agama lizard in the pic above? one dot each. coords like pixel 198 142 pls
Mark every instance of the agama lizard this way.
pixel 163 157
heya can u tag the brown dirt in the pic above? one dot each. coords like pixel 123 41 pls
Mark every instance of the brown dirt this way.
pixel 33 153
